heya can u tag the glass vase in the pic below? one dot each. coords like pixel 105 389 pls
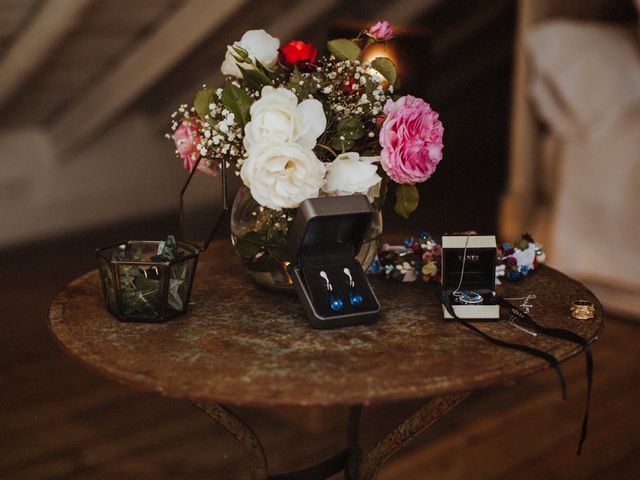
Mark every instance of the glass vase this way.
pixel 259 236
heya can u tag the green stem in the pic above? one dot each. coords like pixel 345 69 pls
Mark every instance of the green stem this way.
pixel 362 50
pixel 328 149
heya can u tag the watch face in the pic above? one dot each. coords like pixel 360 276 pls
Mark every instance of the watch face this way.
pixel 470 298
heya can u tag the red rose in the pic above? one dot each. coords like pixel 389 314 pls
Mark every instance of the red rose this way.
pixel 296 51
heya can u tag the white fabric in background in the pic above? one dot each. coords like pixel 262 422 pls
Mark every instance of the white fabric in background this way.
pixel 586 88
pixel 595 231
pixel 585 74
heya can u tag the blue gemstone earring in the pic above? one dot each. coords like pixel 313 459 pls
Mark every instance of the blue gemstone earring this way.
pixel 335 302
pixel 355 298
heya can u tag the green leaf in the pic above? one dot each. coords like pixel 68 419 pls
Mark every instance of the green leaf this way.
pixel 203 99
pixel 264 263
pixel 281 254
pixel 407 198
pixel 378 202
pixel 387 69
pixel 255 79
pixel 141 301
pixel 295 78
pixel 240 54
pixel 174 300
pixel 350 128
pixel 147 285
pixel 308 86
pixel 250 244
pixel 369 85
pixel 344 49
pixel 341 146
pixel 238 102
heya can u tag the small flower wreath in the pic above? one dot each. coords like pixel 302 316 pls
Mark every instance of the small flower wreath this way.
pixel 517 260
pixel 416 258
pixel 421 258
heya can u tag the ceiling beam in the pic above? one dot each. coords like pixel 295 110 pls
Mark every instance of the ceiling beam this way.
pixel 403 12
pixel 192 22
pixel 288 24
pixel 47 28
pixel 299 16
pixel 285 25
pixel 303 13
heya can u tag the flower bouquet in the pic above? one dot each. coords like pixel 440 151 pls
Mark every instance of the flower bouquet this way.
pixel 297 126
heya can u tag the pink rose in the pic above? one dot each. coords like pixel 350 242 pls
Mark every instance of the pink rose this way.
pixel 187 138
pixel 381 31
pixel 411 140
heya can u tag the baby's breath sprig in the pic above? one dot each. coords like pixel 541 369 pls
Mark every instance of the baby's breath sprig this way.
pixel 353 96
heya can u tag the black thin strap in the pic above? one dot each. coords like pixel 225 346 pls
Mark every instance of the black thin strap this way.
pixel 550 359
pixel 569 336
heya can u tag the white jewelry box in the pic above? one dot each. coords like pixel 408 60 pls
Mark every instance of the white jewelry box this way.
pixel 469 265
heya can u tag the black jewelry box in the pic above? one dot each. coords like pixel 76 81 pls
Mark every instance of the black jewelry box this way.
pixel 477 253
pixel 324 239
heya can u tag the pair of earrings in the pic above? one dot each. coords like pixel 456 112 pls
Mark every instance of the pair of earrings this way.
pixel 335 302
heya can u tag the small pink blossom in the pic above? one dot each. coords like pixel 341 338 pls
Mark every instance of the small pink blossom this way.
pixel 433 255
pixel 411 140
pixel 381 31
pixel 187 138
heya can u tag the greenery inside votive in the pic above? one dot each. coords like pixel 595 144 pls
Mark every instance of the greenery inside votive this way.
pixel 141 281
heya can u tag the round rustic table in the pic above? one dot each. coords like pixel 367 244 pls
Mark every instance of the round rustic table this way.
pixel 242 345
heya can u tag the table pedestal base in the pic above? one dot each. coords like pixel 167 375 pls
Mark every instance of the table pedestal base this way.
pixel 355 464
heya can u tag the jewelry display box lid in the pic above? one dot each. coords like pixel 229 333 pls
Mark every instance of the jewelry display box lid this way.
pixel 327 233
pixel 479 272
pixel 330 227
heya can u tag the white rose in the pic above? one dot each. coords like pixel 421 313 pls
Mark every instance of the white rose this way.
pixel 350 173
pixel 278 118
pixel 282 175
pixel 259 45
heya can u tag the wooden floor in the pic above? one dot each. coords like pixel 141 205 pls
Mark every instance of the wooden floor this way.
pixel 59 420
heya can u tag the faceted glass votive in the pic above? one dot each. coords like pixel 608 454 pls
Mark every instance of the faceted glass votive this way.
pixel 147 281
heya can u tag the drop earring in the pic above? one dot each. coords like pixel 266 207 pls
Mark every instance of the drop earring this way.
pixel 335 302
pixel 355 298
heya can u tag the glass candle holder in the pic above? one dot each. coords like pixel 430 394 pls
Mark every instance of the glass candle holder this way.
pixel 144 281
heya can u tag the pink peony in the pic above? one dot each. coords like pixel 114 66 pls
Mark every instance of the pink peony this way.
pixel 381 31
pixel 187 138
pixel 411 140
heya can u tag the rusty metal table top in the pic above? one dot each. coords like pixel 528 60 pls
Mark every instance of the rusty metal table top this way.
pixel 242 345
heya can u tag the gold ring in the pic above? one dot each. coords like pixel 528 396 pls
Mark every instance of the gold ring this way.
pixel 582 310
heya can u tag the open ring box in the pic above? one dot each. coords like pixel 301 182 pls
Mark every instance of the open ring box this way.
pixel 149 280
pixel 325 236
pixel 479 275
